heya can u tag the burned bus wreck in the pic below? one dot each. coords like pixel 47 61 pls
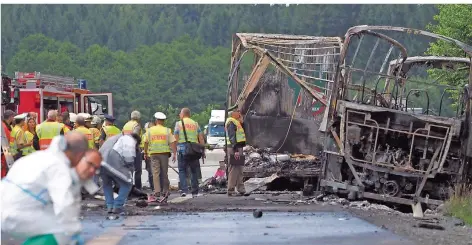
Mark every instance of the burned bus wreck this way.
pixel 379 144
pixel 283 97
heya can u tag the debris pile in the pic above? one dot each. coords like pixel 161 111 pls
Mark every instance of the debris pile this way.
pixel 217 183
pixel 262 163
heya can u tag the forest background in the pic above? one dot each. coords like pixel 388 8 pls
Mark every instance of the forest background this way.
pixel 164 57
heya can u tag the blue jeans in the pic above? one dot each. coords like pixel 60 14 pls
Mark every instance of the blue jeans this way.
pixel 184 165
pixel 125 188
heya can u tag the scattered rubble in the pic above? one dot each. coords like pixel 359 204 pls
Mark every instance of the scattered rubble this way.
pixel 263 159
pixel 255 183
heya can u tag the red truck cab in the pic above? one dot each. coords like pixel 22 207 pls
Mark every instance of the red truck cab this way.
pixel 42 92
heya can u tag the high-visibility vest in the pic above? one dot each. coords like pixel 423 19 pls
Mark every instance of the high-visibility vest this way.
pixel 46 131
pixel 111 130
pixel 65 128
pixel 89 134
pixel 96 134
pixel 191 128
pixel 28 139
pixel 143 138
pixel 15 133
pixel 240 135
pixel 158 139
pixel 129 126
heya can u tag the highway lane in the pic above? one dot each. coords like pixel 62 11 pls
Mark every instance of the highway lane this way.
pixel 322 228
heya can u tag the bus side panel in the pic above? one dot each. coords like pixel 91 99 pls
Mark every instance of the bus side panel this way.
pixel 29 102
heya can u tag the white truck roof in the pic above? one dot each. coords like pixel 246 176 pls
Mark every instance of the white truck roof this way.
pixel 217 116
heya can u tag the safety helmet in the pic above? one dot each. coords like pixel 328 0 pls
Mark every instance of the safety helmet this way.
pixel 160 116
pixel 72 117
pixel 96 120
pixel 86 116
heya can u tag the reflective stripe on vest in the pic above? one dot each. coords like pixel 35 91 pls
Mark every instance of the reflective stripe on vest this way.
pixel 111 130
pixel 191 128
pixel 87 134
pixel 14 134
pixel 240 135
pixel 96 134
pixel 46 131
pixel 28 139
pixel 129 126
pixel 158 139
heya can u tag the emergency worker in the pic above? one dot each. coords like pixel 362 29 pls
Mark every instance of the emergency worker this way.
pixel 109 129
pixel 194 134
pixel 73 118
pixel 18 135
pixel 47 130
pixel 134 127
pixel 41 193
pixel 94 124
pixel 60 119
pixel 159 142
pixel 7 119
pixel 119 151
pixel 66 120
pixel 147 160
pixel 80 121
pixel 236 140
pixel 30 132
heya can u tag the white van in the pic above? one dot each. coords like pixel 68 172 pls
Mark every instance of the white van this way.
pixel 215 130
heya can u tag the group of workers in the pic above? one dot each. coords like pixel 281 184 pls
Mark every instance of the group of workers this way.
pixel 58 158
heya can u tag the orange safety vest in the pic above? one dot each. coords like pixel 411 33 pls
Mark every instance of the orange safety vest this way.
pixel 46 131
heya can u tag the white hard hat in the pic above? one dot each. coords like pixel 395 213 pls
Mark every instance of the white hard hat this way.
pixel 72 117
pixel 160 115
pixel 96 120
pixel 84 115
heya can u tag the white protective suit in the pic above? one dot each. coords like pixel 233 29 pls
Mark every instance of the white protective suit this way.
pixel 41 195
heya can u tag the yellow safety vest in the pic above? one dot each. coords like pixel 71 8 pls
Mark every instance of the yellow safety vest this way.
pixel 240 135
pixel 28 138
pixel 15 133
pixel 191 128
pixel 143 138
pixel 129 126
pixel 158 139
pixel 111 130
pixel 46 131
pixel 89 134
pixel 64 127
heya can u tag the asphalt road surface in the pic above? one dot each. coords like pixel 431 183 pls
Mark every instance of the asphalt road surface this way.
pixel 208 169
pixel 238 228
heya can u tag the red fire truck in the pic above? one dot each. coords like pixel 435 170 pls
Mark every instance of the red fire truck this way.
pixel 42 92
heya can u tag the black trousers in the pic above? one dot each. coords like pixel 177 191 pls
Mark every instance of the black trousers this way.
pixel 138 169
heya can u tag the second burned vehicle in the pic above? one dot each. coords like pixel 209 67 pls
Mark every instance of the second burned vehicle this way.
pixel 385 147
pixel 394 129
